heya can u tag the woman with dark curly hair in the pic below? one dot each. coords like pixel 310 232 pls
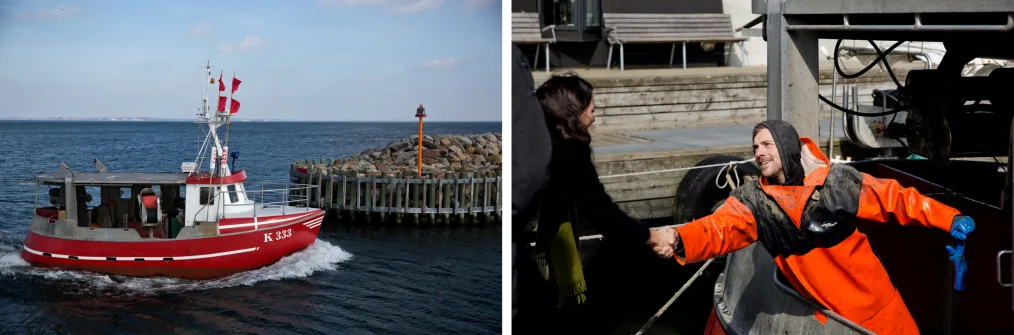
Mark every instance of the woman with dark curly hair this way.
pixel 574 195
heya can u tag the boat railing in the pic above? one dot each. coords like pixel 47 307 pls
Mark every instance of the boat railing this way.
pixel 282 196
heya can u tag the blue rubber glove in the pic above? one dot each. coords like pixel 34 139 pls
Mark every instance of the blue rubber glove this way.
pixel 957 256
pixel 960 228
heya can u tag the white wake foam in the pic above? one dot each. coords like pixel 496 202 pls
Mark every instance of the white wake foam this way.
pixel 320 256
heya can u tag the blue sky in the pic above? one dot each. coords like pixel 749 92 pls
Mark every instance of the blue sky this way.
pixel 340 60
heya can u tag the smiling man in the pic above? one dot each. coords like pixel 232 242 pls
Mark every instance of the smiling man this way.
pixel 804 211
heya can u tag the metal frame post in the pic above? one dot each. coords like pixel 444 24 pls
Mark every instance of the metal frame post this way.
pixel 609 58
pixel 547 56
pixel 673 53
pixel 684 55
pixel 538 47
pixel 621 57
pixel 830 136
pixel 792 73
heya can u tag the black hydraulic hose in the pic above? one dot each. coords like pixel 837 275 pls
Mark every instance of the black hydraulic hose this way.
pixel 852 112
pixel 880 57
pixel 883 57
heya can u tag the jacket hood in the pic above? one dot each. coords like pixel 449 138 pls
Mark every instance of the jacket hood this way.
pixel 787 141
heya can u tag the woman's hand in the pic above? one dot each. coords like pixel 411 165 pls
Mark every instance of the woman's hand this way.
pixel 662 242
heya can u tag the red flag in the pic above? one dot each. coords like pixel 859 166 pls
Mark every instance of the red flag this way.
pixel 221 103
pixel 221 84
pixel 234 106
pixel 235 84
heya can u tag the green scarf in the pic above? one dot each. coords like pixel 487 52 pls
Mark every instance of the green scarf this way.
pixel 566 262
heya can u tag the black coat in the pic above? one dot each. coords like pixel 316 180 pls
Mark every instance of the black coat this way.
pixel 575 194
pixel 530 146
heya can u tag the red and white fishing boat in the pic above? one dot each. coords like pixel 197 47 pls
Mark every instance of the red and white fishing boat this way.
pixel 145 226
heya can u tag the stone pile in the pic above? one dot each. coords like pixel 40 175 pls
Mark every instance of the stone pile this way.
pixel 479 153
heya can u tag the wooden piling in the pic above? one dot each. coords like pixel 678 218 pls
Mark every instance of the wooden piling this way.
pixel 499 196
pixel 400 197
pixel 485 195
pixel 329 190
pixel 439 196
pixel 435 198
pixel 340 203
pixel 459 193
pixel 384 176
pixel 416 199
pixel 424 193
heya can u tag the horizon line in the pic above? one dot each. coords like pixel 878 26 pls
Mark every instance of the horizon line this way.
pixel 111 119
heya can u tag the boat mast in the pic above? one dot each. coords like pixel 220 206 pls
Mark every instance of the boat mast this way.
pixel 213 121
pixel 207 82
pixel 202 114
pixel 228 116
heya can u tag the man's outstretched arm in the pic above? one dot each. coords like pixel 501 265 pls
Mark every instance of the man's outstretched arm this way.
pixel 730 228
pixel 881 199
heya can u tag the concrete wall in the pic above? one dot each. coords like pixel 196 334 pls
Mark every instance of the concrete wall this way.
pixel 623 105
pixel 674 99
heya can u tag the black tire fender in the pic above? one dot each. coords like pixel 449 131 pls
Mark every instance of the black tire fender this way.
pixel 698 196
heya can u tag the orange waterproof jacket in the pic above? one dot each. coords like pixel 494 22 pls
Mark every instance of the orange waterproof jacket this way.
pixel 811 233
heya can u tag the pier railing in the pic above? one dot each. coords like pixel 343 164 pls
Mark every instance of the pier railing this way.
pixel 280 195
pixel 434 196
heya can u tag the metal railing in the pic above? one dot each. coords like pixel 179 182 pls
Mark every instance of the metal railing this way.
pixel 289 195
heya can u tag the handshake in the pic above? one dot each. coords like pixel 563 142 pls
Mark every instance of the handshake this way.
pixel 663 241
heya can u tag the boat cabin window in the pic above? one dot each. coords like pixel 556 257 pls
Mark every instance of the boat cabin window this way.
pixel 114 200
pixel 207 196
pixel 233 196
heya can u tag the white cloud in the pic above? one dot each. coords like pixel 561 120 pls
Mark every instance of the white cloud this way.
pixel 349 2
pixel 200 29
pixel 417 6
pixel 471 5
pixel 440 63
pixel 249 43
pixel 60 12
pixel 398 6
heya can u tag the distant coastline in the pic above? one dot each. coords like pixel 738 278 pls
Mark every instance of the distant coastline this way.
pixel 125 118
pixel 150 119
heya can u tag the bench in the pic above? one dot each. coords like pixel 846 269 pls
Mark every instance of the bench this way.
pixel 526 29
pixel 622 28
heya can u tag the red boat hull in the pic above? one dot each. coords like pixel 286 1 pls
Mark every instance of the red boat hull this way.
pixel 195 258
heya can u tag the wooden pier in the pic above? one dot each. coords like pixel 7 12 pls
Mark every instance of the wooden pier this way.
pixel 435 198
pixel 650 120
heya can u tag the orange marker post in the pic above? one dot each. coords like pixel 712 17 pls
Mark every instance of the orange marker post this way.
pixel 420 113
